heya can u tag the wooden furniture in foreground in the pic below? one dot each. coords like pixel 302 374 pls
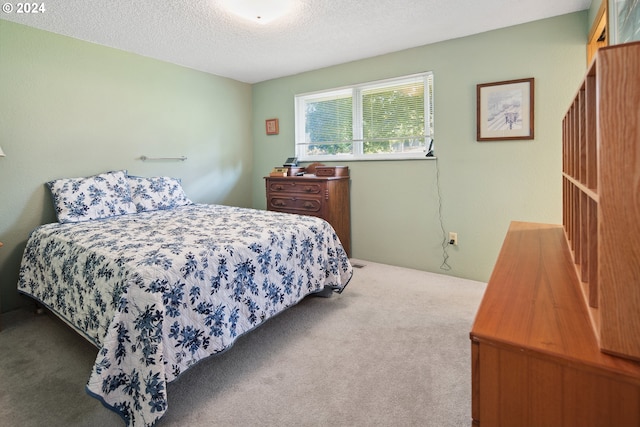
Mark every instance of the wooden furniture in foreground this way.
pixel 324 197
pixel 601 195
pixel 556 341
pixel 535 357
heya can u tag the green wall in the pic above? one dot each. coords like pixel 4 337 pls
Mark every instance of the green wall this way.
pixel 395 205
pixel 70 108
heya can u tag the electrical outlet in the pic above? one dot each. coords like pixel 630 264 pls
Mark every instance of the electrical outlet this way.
pixel 453 238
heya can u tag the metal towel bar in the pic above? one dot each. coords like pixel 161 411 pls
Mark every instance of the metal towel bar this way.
pixel 181 158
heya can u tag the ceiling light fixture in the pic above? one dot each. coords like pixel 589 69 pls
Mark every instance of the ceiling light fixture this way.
pixel 260 11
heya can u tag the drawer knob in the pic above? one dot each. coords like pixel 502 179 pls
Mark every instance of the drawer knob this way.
pixel 308 205
pixel 279 203
pixel 308 189
pixel 278 187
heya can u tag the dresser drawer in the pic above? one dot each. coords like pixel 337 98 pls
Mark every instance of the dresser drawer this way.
pixel 293 187
pixel 303 205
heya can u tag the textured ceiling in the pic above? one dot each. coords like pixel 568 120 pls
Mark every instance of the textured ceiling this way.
pixel 203 35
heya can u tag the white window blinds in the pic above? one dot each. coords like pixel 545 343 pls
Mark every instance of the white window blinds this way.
pixel 385 119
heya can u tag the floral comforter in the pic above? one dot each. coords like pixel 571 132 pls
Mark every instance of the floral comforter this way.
pixel 158 291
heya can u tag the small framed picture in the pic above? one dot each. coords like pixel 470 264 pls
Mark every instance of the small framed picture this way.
pixel 272 126
pixel 505 110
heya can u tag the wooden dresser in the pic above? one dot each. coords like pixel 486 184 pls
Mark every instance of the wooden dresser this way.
pixel 534 355
pixel 323 197
pixel 556 340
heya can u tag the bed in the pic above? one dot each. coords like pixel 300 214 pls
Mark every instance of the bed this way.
pixel 158 283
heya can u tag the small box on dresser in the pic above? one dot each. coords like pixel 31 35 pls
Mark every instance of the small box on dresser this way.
pixel 332 171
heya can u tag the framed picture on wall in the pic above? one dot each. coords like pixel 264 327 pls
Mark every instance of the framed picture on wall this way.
pixel 505 110
pixel 624 18
pixel 272 126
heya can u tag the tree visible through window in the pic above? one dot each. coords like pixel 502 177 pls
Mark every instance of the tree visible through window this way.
pixel 329 124
pixel 389 119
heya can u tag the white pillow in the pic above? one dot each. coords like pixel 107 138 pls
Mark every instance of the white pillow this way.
pixel 95 197
pixel 157 193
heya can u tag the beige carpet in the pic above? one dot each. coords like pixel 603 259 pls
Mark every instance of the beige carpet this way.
pixel 392 350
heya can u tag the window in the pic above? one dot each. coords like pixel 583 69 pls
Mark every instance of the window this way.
pixel 383 120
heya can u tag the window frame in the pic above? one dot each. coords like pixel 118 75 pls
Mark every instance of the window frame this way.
pixel 356 90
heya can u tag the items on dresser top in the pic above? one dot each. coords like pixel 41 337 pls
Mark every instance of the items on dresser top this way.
pixel 317 169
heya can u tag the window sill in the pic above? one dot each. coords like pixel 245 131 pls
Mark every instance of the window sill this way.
pixel 421 156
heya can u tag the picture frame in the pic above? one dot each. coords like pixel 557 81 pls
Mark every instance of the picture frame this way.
pixel 624 16
pixel 505 110
pixel 272 126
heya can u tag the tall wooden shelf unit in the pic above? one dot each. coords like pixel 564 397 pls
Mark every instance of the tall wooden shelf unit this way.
pixel 601 195
pixel 556 340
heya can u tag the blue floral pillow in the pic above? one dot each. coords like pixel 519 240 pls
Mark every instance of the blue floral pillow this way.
pixel 94 197
pixel 157 193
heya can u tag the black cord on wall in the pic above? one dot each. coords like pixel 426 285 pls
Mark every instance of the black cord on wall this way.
pixel 445 243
